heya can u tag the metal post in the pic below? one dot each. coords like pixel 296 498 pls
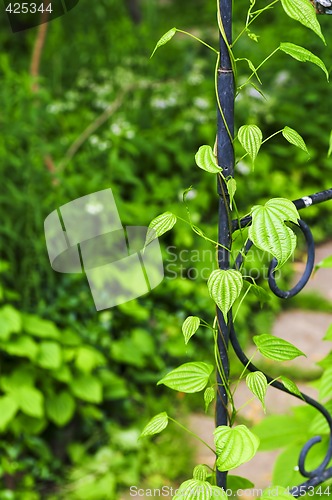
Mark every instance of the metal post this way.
pixel 225 153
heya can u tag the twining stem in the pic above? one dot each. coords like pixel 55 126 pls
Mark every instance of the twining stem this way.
pixel 258 67
pixel 193 434
pixel 243 372
pixel 199 232
pixel 197 39
pixel 218 100
pixel 240 304
pixel 256 14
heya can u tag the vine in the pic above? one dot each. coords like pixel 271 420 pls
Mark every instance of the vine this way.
pixel 270 228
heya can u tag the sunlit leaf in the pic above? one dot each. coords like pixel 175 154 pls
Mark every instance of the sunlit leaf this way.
pixel 291 386
pixel 194 489
pixel 189 377
pixel 163 40
pixel 209 395
pixel 250 137
pixel 304 12
pixel 206 160
pixel 234 446
pixel 157 424
pixel 294 138
pixel 160 225
pixel 200 472
pixel 303 55
pixel 268 230
pixel 231 188
pixel 224 288
pixel 190 327
pixel 257 383
pixel 276 348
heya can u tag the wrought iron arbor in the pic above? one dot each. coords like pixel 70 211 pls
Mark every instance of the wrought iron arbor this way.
pixel 227 333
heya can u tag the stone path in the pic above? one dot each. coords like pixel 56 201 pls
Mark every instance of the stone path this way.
pixel 306 330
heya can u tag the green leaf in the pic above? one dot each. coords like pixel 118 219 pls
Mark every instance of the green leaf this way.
pixel 50 355
pixel 268 230
pixel 206 160
pixel 209 395
pixel 325 384
pixel 275 348
pixel 164 39
pixel 234 446
pixel 88 358
pixel 250 137
pixel 8 409
pixel 21 346
pixel 257 383
pixel 189 377
pixel 330 146
pixel 10 322
pixel 60 408
pixel 325 263
pixel 157 424
pixel 30 400
pixel 190 327
pixel 294 138
pixel 194 489
pixel 159 226
pixel 218 493
pixel 328 334
pixel 276 492
pixel 319 424
pixel 277 431
pixel 262 295
pixel 236 483
pixel 291 386
pixel 40 327
pixel 88 388
pixel 200 473
pixel 303 55
pixel 303 12
pixel 231 188
pixel 224 288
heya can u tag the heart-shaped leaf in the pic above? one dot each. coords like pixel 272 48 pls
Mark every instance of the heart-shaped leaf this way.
pixel 303 55
pixel 303 12
pixel 276 348
pixel 164 39
pixel 160 225
pixel 250 137
pixel 224 287
pixel 231 188
pixel 268 230
pixel 190 327
pixel 206 160
pixel 294 138
pixel 257 383
pixel 157 424
pixel 189 377
pixel 234 446
pixel 193 489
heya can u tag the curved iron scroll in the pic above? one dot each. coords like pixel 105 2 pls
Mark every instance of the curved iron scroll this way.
pixel 322 472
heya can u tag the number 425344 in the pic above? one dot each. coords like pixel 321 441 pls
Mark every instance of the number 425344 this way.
pixel 25 8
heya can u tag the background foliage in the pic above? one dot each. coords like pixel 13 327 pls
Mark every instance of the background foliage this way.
pixel 76 385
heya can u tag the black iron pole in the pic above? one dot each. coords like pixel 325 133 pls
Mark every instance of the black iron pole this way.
pixel 225 153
